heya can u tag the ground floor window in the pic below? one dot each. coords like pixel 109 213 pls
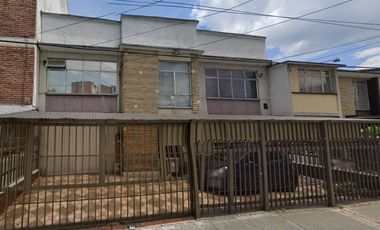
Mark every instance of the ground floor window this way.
pixel 361 95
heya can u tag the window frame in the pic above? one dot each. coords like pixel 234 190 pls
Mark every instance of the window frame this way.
pixel 245 80
pixel 117 72
pixel 175 87
pixel 323 78
pixel 356 83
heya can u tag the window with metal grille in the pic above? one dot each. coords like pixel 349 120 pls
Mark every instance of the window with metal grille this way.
pixel 231 84
pixel 361 95
pixel 175 84
pixel 315 81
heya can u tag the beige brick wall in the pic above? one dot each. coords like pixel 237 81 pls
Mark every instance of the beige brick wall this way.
pixel 195 84
pixel 347 97
pixel 140 83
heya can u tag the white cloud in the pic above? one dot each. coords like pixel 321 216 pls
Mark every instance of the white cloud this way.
pixel 372 62
pixel 295 36
pixel 368 53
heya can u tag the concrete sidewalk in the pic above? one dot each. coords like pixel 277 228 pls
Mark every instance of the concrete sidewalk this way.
pixel 359 216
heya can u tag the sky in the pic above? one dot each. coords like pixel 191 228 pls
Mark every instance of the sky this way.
pixel 285 39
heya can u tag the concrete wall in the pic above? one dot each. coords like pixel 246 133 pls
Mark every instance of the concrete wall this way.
pixel 315 104
pixel 231 45
pixel 65 54
pixel 86 33
pixel 280 90
pixel 166 32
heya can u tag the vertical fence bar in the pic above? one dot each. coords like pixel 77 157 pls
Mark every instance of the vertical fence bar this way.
pixel 194 137
pixel 102 154
pixel 263 169
pixel 29 157
pixel 328 168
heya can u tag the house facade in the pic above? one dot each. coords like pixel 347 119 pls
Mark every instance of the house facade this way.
pixel 19 27
pixel 304 89
pixel 165 71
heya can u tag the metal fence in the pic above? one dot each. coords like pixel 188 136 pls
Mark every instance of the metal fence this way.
pixel 76 173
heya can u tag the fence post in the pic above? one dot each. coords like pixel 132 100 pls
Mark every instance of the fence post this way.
pixel 327 163
pixel 194 137
pixel 29 151
pixel 264 185
pixel 102 153
pixel 230 171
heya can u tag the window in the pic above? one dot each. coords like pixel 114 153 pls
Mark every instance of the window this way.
pixel 315 81
pixel 361 95
pixel 83 77
pixel 231 84
pixel 175 89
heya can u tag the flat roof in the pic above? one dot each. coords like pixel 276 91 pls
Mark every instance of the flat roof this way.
pixel 159 18
pixel 86 18
pixel 311 63
pixel 232 34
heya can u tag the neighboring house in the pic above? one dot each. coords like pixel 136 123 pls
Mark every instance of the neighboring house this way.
pixel 359 93
pixel 304 89
pixel 19 23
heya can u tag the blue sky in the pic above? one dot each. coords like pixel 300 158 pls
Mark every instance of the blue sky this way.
pixel 286 39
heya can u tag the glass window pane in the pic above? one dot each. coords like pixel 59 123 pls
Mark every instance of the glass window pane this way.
pixel 74 65
pixel 167 83
pixel 174 66
pixel 91 82
pixel 108 66
pixel 211 72
pixel 237 74
pixel 250 75
pixel 166 100
pixel 74 82
pixel 224 73
pixel 211 87
pixel 108 83
pixel 238 88
pixel 56 89
pixel 225 88
pixel 302 83
pixel 56 77
pixel 182 101
pixel 251 89
pixel 182 81
pixel 317 84
pixel 327 85
pixel 92 65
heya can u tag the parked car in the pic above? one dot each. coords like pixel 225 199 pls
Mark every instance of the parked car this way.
pixel 282 175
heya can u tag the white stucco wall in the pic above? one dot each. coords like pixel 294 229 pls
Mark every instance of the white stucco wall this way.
pixel 86 32
pixel 163 32
pixel 280 90
pixel 231 45
pixel 54 6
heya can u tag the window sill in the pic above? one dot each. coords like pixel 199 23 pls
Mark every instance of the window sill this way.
pixel 233 99
pixel 81 94
pixel 315 93
pixel 173 107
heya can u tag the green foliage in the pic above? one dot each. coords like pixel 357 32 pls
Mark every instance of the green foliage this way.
pixel 371 132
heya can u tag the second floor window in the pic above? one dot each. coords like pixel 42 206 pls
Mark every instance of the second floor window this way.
pixel 231 84
pixel 315 81
pixel 83 77
pixel 175 87
pixel 361 95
